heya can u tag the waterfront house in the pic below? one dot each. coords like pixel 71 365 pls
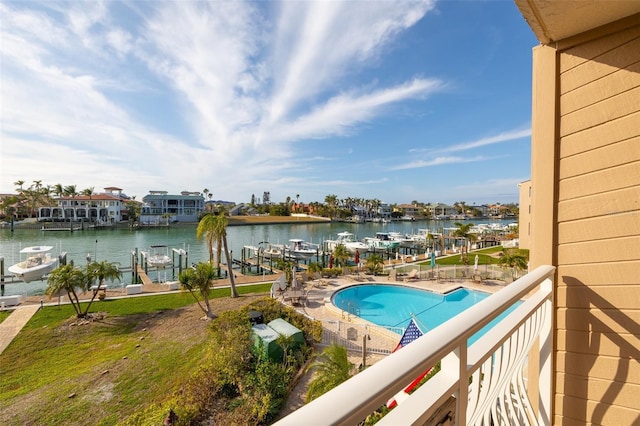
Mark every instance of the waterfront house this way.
pixel 102 208
pixel 440 210
pixel 408 210
pixel 162 207
pixel 575 341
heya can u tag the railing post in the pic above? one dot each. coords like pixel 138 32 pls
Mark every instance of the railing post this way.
pixel 457 361
pixel 545 382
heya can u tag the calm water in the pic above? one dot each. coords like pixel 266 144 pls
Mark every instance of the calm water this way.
pixel 115 245
pixel 392 305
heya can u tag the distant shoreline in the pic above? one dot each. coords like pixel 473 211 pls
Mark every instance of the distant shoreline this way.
pixel 274 220
pixel 232 221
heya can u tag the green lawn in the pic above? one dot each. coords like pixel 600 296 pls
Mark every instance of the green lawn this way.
pixel 484 258
pixel 4 314
pixel 57 373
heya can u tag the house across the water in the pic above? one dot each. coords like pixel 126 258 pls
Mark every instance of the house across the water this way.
pixel 103 208
pixel 160 207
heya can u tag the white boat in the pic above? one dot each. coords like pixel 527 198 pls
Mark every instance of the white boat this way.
pixel 270 251
pixel 158 256
pixel 404 239
pixel 300 250
pixel 381 241
pixel 347 239
pixel 422 236
pixel 37 264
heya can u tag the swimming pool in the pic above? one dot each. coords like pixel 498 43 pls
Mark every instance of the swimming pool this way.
pixel 392 305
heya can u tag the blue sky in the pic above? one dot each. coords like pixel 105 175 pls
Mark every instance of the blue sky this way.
pixel 389 100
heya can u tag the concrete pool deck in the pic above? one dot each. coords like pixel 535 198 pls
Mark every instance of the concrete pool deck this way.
pixel 317 301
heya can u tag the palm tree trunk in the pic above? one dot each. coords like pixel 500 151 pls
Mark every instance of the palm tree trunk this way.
pixel 232 281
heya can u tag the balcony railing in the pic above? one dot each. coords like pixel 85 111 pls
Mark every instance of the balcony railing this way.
pixel 490 380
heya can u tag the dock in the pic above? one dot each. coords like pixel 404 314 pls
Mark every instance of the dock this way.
pixel 143 276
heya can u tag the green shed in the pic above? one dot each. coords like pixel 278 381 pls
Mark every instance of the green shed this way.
pixel 264 338
pixel 284 328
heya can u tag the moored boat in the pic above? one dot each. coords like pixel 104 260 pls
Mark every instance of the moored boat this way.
pixel 381 241
pixel 300 250
pixel 404 239
pixel 158 256
pixel 346 239
pixel 270 251
pixel 37 264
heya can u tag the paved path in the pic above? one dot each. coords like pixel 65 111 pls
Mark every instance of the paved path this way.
pixel 11 326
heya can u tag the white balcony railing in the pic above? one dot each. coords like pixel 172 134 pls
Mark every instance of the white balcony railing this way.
pixel 496 364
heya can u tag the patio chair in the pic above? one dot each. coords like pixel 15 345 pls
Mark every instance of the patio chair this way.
pixel 413 275
pixel 321 281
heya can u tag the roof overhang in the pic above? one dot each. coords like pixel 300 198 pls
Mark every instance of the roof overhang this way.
pixel 554 20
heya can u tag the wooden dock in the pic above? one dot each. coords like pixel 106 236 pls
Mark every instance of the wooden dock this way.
pixel 143 276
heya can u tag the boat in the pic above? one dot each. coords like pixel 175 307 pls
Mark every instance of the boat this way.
pixel 347 239
pixel 158 256
pixel 37 264
pixel 404 239
pixel 381 241
pixel 300 250
pixel 270 251
pixel 422 236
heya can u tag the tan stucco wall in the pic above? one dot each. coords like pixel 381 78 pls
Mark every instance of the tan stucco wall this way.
pixel 586 219
pixel 524 215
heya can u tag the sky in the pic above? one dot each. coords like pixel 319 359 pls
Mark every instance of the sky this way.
pixel 399 101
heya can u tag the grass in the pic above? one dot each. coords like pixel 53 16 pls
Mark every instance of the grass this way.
pixel 484 258
pixel 137 305
pixel 64 371
pixel 4 315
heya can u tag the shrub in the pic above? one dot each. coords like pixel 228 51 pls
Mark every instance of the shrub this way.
pixel 233 383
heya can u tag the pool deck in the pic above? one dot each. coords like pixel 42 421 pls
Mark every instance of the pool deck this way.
pixel 317 301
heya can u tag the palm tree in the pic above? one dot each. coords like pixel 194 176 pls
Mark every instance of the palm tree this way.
pixel 66 278
pixel 374 263
pixel 332 202
pixel 463 232
pixel 206 228
pixel 199 279
pixel 88 192
pixel 340 255
pixel 214 228
pixel 58 189
pixel 515 260
pixel 19 184
pixel 70 191
pixel 102 271
pixel 70 279
pixel 332 368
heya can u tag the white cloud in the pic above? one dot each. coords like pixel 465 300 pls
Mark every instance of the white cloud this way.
pixel 438 161
pixel 80 85
pixel 502 137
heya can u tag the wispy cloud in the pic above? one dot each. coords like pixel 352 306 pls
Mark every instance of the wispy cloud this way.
pixel 438 161
pixel 239 97
pixel 239 84
pixel 510 135
pixel 500 138
pixel 433 159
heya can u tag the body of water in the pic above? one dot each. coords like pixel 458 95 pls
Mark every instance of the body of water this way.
pixel 116 245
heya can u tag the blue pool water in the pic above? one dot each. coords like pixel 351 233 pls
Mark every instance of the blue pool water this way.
pixel 392 305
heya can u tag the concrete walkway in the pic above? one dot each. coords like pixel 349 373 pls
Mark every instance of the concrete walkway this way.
pixel 11 326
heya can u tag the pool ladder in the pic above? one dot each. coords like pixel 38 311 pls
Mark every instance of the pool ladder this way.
pixel 351 310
